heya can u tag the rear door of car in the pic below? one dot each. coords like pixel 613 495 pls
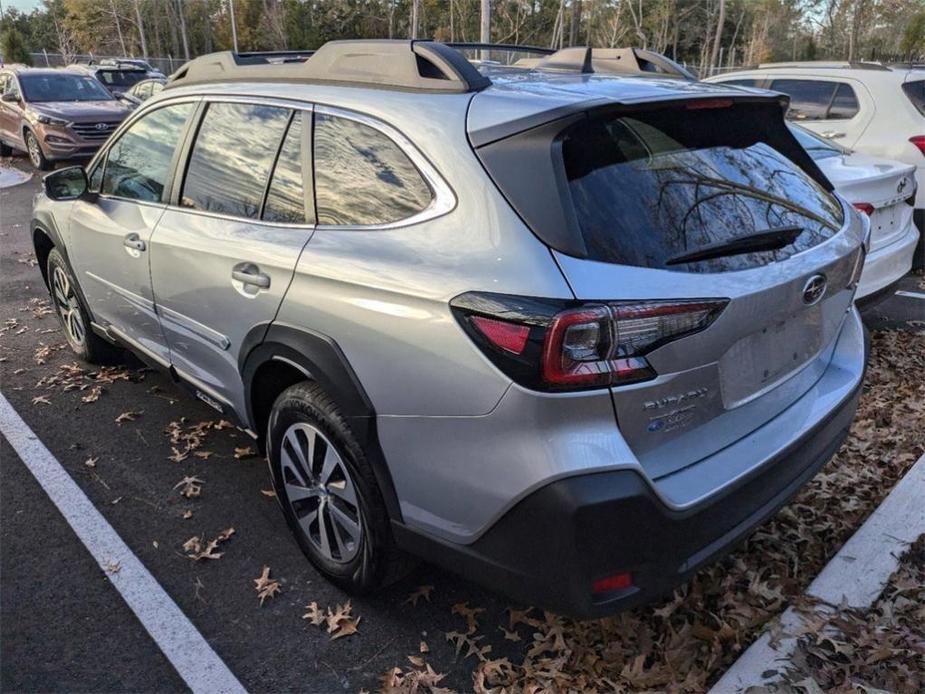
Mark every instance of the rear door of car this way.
pixel 225 250
pixel 837 108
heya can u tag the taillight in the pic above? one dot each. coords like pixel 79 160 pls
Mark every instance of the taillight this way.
pixel 559 345
pixel 864 207
pixel 918 141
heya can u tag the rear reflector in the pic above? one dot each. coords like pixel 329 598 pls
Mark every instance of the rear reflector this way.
pixel 918 141
pixel 612 583
pixel 864 207
pixel 510 337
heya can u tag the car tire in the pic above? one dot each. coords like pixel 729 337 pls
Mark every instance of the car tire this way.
pixel 73 316
pixel 328 492
pixel 34 150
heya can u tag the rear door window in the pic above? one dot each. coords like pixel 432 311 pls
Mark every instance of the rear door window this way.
pixel 809 99
pixel 649 187
pixel 915 92
pixel 844 105
pixel 232 157
pixel 362 177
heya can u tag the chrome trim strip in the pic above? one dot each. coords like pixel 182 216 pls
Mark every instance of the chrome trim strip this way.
pixel 195 327
pixel 293 364
pixel 133 344
pixel 135 299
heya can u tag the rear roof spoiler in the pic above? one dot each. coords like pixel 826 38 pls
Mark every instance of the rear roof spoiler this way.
pixel 386 64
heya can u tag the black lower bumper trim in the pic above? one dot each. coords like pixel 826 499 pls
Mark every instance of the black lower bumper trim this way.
pixel 549 549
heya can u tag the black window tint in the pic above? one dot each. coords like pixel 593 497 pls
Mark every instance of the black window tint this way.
pixel 286 197
pixel 915 92
pixel 845 103
pixel 362 176
pixel 652 186
pixel 138 164
pixel 95 179
pixel 809 99
pixel 232 157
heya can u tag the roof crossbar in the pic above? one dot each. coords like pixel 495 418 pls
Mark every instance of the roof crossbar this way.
pixel 384 64
pixel 613 61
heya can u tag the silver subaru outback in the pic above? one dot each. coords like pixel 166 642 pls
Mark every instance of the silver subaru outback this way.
pixel 568 333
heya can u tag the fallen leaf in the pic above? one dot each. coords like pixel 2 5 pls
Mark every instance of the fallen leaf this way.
pixel 420 592
pixel 190 487
pixel 265 586
pixel 91 462
pixel 40 400
pixel 128 416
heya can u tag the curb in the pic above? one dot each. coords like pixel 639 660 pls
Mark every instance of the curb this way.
pixel 855 576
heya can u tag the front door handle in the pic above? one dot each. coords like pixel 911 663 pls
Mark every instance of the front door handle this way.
pixel 248 273
pixel 134 242
pixel 832 134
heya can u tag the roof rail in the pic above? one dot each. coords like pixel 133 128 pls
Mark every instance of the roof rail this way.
pixel 827 65
pixel 613 61
pixel 463 45
pixel 383 63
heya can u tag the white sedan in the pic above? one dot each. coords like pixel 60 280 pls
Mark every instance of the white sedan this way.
pixel 885 191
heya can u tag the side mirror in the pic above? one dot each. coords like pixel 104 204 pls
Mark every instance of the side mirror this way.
pixel 66 184
pixel 10 98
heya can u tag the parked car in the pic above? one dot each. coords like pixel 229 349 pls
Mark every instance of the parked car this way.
pixel 884 190
pixel 143 90
pixel 867 107
pixel 54 115
pixel 571 337
pixel 150 71
pixel 116 78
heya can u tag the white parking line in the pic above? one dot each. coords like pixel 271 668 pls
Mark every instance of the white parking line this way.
pixel 912 295
pixel 182 644
pixel 856 575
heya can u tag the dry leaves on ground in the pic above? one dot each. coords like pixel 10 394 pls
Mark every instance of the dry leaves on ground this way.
pixel 190 486
pixel 882 647
pixel 186 438
pixel 265 586
pixel 685 642
pixel 419 592
pixel 197 548
pixel 338 623
pixel 129 416
pixel 422 678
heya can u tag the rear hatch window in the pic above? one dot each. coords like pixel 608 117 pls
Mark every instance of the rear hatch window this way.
pixel 651 188
pixel 120 78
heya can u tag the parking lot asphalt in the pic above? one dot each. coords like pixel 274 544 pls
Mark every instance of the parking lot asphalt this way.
pixel 64 627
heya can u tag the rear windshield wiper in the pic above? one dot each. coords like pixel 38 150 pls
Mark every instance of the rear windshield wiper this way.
pixel 767 240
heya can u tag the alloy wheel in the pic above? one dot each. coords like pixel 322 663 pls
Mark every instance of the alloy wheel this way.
pixel 35 154
pixel 321 493
pixel 68 307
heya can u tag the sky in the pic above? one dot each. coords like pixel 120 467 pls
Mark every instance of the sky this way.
pixel 22 5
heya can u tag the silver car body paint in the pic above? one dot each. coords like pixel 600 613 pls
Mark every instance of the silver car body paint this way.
pixel 463 443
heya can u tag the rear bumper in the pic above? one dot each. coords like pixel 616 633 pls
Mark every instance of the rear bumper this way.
pixel 885 266
pixel 549 548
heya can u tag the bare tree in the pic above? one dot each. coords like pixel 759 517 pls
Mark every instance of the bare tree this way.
pixel 714 56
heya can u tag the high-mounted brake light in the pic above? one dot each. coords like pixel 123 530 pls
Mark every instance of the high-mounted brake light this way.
pixel 612 583
pixel 550 344
pixel 864 207
pixel 918 141
pixel 701 104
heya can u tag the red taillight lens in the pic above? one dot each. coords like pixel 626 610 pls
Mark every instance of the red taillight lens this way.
pixel 561 344
pixel 510 337
pixel 918 141
pixel 603 345
pixel 864 207
pixel 612 583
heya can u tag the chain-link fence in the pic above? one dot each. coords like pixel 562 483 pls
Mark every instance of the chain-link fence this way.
pixel 44 59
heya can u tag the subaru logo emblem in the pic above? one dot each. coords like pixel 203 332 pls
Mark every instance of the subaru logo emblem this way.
pixel 814 289
pixel 101 126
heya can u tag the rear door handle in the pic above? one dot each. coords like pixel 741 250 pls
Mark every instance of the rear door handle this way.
pixel 248 273
pixel 134 242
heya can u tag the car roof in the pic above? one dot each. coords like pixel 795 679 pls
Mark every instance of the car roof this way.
pixel 863 72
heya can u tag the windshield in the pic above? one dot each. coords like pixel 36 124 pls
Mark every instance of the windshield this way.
pixel 62 87
pixel 654 185
pixel 120 78
pixel 817 147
